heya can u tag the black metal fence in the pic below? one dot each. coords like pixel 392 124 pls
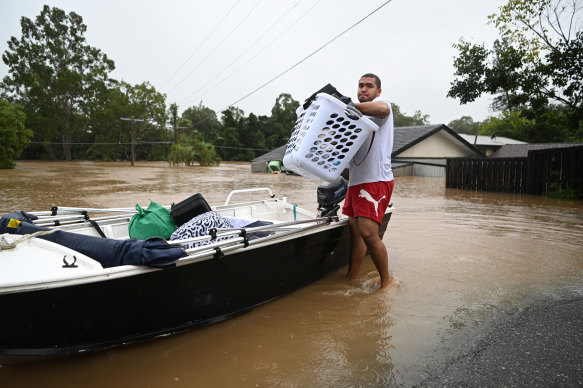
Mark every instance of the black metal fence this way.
pixel 543 171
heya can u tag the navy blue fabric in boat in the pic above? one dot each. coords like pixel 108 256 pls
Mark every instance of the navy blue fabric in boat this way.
pixel 154 252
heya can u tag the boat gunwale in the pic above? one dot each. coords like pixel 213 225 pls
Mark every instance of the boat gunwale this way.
pixel 122 271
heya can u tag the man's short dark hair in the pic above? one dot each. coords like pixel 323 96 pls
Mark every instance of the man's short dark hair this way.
pixel 377 79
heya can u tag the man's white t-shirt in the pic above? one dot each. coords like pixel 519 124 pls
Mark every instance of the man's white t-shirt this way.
pixel 376 166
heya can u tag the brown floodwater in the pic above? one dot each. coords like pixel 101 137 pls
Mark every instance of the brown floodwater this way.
pixel 459 259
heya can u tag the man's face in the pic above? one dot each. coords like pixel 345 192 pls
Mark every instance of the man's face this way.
pixel 367 89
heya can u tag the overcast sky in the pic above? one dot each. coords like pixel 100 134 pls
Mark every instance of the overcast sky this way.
pixel 220 51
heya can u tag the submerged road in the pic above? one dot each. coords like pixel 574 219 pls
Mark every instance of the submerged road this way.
pixel 539 346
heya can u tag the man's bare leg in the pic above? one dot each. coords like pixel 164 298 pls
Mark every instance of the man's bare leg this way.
pixel 369 232
pixel 357 249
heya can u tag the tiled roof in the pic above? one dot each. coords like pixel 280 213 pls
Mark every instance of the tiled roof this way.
pixel 521 150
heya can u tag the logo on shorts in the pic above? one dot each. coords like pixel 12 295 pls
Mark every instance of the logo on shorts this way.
pixel 364 194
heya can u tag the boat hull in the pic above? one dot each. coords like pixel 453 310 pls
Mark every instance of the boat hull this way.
pixel 99 315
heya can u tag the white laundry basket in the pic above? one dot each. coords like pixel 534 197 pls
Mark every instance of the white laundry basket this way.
pixel 325 138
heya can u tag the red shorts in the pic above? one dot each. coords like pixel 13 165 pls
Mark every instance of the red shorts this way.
pixel 368 200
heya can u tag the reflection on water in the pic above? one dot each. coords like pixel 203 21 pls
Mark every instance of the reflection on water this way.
pixel 459 259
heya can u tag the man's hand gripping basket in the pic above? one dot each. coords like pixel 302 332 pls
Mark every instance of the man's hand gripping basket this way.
pixel 325 138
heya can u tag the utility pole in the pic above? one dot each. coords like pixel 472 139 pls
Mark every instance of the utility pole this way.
pixel 174 109
pixel 133 120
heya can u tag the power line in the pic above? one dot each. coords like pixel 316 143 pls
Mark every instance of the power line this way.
pixel 200 45
pixel 301 61
pixel 244 51
pixel 217 47
pixel 254 56
pixel 96 143
pixel 309 56
pixel 141 142
pixel 239 148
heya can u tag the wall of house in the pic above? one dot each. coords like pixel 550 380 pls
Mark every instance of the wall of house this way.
pixel 429 171
pixel 420 167
pixel 403 171
pixel 440 145
pixel 259 166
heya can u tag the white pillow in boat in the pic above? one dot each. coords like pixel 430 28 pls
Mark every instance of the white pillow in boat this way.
pixel 201 226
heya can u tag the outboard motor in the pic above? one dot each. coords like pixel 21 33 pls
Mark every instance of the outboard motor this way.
pixel 330 195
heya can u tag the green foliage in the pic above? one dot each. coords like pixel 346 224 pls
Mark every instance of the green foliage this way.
pixel 14 137
pixel 465 124
pixel 203 120
pixel 535 68
pixel 521 22
pixel 106 126
pixel 470 65
pixel 193 150
pixel 549 126
pixel 243 138
pixel 205 154
pixel 282 120
pixel 140 102
pixel 54 74
pixel 180 154
pixel 510 124
pixel 558 191
pixel 402 120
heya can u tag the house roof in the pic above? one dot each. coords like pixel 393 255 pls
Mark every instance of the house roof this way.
pixel 489 141
pixel 407 137
pixel 276 154
pixel 521 150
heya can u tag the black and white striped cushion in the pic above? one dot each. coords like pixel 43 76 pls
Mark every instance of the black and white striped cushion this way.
pixel 201 226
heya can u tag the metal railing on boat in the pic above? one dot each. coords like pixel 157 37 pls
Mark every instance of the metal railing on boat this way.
pixel 230 239
pixel 217 249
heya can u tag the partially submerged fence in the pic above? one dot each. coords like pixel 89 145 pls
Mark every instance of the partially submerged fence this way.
pixel 541 172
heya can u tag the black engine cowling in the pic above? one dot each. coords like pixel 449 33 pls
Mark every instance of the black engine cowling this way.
pixel 330 195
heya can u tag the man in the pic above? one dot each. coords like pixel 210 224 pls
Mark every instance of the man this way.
pixel 371 182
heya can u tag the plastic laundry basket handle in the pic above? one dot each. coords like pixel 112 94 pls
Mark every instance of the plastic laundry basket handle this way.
pixel 352 113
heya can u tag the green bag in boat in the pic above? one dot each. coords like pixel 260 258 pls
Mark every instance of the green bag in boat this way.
pixel 155 221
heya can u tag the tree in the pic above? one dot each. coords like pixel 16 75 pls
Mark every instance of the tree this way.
pixel 535 68
pixel 509 124
pixel 204 120
pixel 256 127
pixel 194 149
pixel 14 137
pixel 284 111
pixel 204 153
pixel 143 110
pixel 233 120
pixel 538 58
pixel 55 74
pixel 465 124
pixel 148 105
pixel 402 120
pixel 549 127
pixel 106 127
pixel 281 122
pixel 180 153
